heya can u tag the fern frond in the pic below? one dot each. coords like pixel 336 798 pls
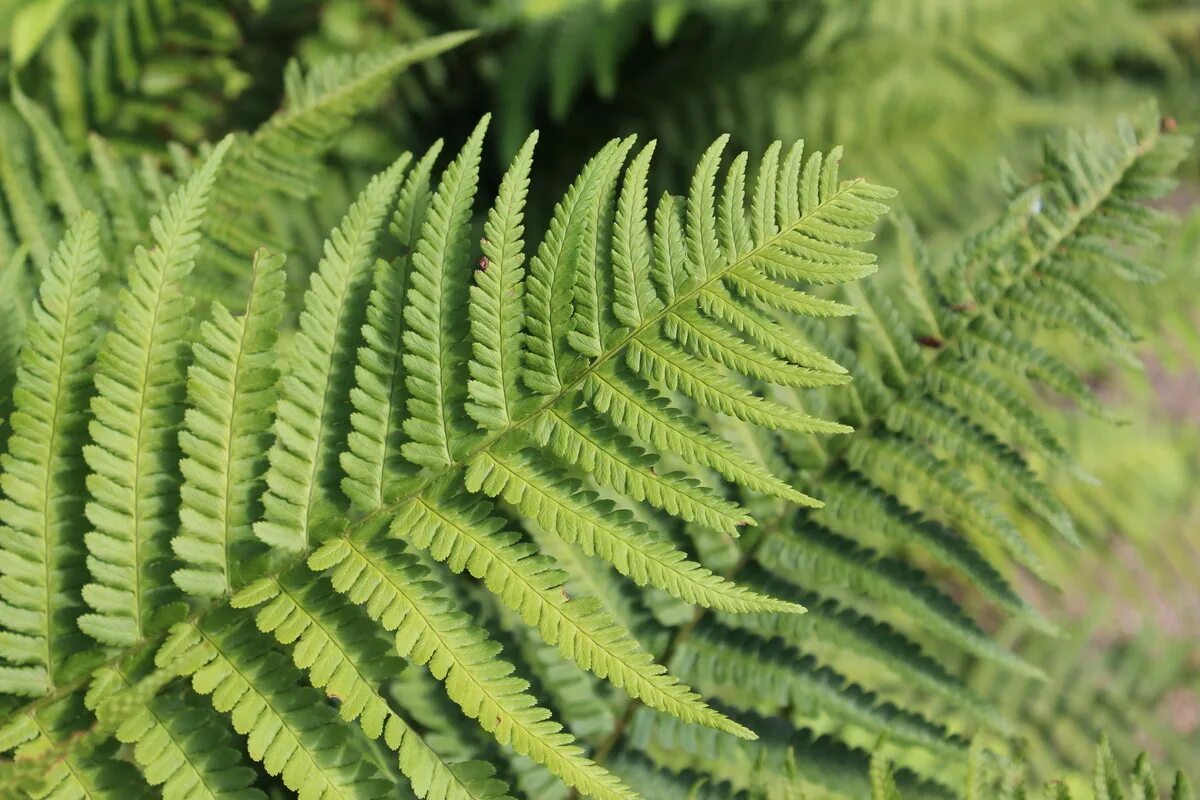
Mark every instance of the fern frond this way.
pixel 177 744
pixel 560 504
pixel 467 538
pixel 828 622
pixel 309 419
pixel 282 157
pixel 769 676
pixel 497 307
pixel 343 654
pixel 613 460
pixel 30 214
pixel 437 300
pixel 379 396
pixel 230 395
pixel 551 280
pixel 72 188
pixel 286 727
pixel 41 509
pixel 139 383
pixel 815 556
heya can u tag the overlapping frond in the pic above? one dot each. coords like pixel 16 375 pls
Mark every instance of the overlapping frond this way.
pixel 311 418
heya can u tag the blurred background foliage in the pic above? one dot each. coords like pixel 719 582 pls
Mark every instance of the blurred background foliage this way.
pixel 926 95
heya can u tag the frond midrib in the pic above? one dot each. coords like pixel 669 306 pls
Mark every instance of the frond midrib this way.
pixel 425 481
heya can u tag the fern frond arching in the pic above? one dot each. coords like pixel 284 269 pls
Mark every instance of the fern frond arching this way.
pixel 345 655
pixel 286 728
pixel 139 383
pixel 177 743
pixel 401 596
pixel 497 301
pixel 41 508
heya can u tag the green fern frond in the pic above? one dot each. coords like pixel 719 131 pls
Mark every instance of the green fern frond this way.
pixel 41 509
pixel 230 395
pixel 436 301
pixel 139 383
pixel 402 597
pixel 309 423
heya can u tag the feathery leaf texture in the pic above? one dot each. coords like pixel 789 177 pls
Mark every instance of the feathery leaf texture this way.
pixel 460 442
pixel 230 394
pixel 140 378
pixel 42 509
pixel 468 358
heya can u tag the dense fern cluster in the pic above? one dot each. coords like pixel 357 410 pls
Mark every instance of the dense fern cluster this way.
pixel 661 496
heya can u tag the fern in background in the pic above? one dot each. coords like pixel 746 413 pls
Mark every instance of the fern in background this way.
pixel 1107 782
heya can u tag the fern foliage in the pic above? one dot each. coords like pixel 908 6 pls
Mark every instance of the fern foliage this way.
pixel 498 408
pixel 1109 782
pixel 651 495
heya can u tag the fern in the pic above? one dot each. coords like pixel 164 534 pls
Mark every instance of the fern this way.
pixel 377 582
pixel 1107 782
pixel 462 521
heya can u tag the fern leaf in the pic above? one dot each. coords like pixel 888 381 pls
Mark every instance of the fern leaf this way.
pixel 666 363
pixel 551 281
pixel 308 433
pixel 287 728
pixel 636 406
pixel 704 254
pixel 139 384
pixel 177 745
pixel 434 310
pixel 590 323
pixel 230 394
pixel 819 555
pixel 29 212
pixel 731 219
pixel 72 189
pixel 283 154
pixel 615 461
pixel 497 302
pixel 379 396
pixel 828 621
pixel 670 256
pixel 343 654
pixel 41 538
pixel 772 676
pixel 634 294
